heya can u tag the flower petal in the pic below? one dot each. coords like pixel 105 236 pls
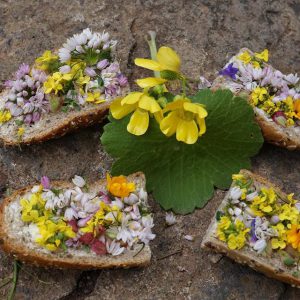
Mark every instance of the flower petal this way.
pixel 168 59
pixel 132 98
pixel 176 104
pixel 119 111
pixel 168 125
pixel 187 132
pixel 196 109
pixel 149 103
pixel 150 82
pixel 148 64
pixel 139 122
pixel 202 125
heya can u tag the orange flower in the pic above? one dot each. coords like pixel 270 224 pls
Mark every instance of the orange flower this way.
pixel 293 236
pixel 119 186
pixel 297 107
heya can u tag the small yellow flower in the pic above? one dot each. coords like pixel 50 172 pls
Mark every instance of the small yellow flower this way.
pixel 264 55
pixel 119 186
pixel 94 98
pixel 236 241
pixel 186 119
pixel 5 116
pixel 293 236
pixel 278 244
pixel 289 213
pixel 224 223
pixel 142 104
pixel 21 131
pixel 245 57
pixel 43 61
pixel 167 60
pixel 259 94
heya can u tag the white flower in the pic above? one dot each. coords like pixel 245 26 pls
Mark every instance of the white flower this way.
pixel 117 202
pixel 291 78
pixel 61 201
pixel 260 245
pixel 189 237
pixel 251 196
pixel 147 221
pixel 124 235
pixel 203 83
pixel 170 219
pixel 135 213
pixel 114 248
pixel 146 235
pixel 70 214
pixel 235 194
pixel 49 204
pixel 65 69
pixel 143 195
pixel 297 205
pixel 78 181
pixel 88 33
pixel 64 54
pixel 36 189
pixel 131 199
pixel 237 211
pixel 33 231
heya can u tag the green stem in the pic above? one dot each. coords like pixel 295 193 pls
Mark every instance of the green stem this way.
pixel 15 280
pixel 153 49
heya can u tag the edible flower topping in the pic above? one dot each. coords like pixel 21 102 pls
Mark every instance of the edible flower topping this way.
pixel 119 186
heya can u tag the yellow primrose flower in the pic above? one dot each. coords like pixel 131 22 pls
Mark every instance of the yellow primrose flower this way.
pixel 259 94
pixel 94 98
pixel 293 236
pixel 43 61
pixel 119 186
pixel 5 116
pixel 166 60
pixel 142 104
pixel 186 119
pixel 296 108
pixel 264 55
pixel 150 82
pixel 245 57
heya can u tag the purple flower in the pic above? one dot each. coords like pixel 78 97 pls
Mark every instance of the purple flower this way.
pixel 45 181
pixel 230 71
pixel 123 81
pixel 252 232
pixel 8 83
pixel 23 70
pixel 90 72
pixel 102 64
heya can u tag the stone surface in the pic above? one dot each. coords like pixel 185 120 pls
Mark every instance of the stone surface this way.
pixel 205 33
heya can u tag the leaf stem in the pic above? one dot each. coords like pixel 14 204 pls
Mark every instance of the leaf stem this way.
pixel 15 280
pixel 153 49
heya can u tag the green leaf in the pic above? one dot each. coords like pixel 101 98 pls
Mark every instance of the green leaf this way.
pixel 288 261
pixel 182 177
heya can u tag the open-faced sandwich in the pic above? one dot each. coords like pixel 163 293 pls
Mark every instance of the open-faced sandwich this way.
pixel 274 96
pixel 79 225
pixel 258 225
pixel 63 90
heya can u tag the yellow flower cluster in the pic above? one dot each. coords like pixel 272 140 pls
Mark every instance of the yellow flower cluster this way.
pixel 57 81
pixel 53 230
pixel 265 203
pixel 46 61
pixel 5 116
pixel 234 234
pixel 256 60
pixel 181 116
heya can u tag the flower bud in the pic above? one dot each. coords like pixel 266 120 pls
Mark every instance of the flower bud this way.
pixel 102 64
pixel 169 75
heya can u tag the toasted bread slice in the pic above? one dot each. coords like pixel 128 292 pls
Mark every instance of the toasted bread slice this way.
pixel 270 265
pixel 287 137
pixel 54 125
pixel 14 241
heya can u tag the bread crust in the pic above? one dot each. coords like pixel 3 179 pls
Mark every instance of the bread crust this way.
pixel 244 256
pixel 273 133
pixel 19 251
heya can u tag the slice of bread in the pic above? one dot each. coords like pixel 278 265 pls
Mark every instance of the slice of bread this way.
pixel 287 137
pixel 54 125
pixel 270 265
pixel 14 241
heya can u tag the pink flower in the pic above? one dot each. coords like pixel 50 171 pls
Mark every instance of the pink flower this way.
pixel 45 181
pixel 87 238
pixel 73 224
pixel 98 247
